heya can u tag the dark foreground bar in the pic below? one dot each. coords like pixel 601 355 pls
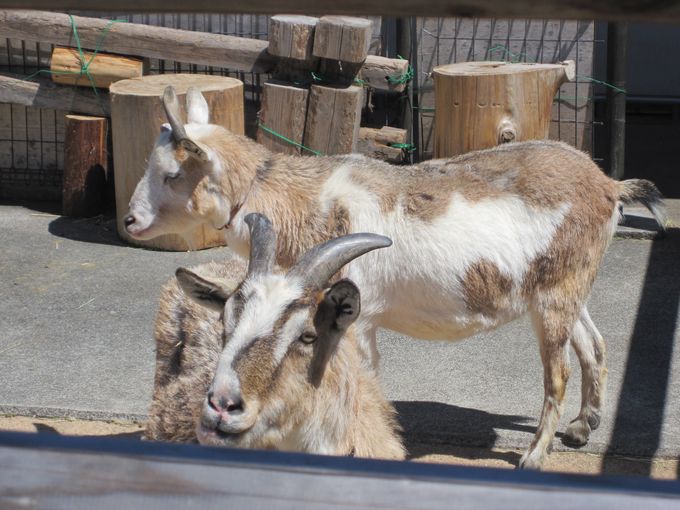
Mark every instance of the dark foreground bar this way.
pixel 633 10
pixel 44 471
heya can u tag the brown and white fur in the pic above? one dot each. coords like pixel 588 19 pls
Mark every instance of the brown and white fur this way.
pixel 345 413
pixel 479 239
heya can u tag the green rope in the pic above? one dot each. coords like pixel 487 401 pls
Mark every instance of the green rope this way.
pixel 292 142
pixel 408 147
pixel 84 65
pixel 599 82
pixel 400 79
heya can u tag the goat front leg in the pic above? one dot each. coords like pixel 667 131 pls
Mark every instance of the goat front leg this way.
pixel 553 329
pixel 590 349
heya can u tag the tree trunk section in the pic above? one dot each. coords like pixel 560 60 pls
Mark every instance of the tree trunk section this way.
pixel 283 111
pixel 291 36
pixel 85 165
pixel 136 118
pixel 482 104
pixel 342 38
pixel 333 119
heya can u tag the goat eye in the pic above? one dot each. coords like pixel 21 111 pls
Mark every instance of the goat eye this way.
pixel 170 177
pixel 307 337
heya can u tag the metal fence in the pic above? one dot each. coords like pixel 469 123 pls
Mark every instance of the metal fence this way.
pixel 31 140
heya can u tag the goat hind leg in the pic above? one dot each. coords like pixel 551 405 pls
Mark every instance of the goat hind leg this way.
pixel 590 349
pixel 553 330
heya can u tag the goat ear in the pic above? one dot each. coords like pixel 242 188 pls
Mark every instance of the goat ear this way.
pixel 197 107
pixel 194 149
pixel 338 309
pixel 204 292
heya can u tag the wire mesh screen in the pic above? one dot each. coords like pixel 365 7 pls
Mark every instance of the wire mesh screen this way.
pixel 449 40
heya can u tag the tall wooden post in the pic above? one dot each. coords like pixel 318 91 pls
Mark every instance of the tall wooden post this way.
pixel 85 165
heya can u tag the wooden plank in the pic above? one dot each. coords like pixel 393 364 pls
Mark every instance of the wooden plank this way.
pixel 333 118
pixel 385 134
pixel 44 471
pixel 284 111
pixel 42 93
pixel 104 69
pixel 633 10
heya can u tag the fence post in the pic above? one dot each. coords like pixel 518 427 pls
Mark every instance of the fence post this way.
pixel 617 49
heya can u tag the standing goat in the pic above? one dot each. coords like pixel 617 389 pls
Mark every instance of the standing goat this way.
pixel 288 373
pixel 479 239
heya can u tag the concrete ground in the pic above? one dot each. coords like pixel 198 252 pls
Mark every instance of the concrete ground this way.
pixel 77 313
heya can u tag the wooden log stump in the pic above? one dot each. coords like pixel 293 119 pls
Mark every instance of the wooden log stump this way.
pixel 283 111
pixel 482 104
pixel 136 118
pixel 383 73
pixel 85 165
pixel 333 118
pixel 375 143
pixel 342 38
pixel 291 36
pixel 104 69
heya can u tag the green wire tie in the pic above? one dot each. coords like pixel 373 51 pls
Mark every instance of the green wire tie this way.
pixel 400 79
pixel 84 65
pixel 408 147
pixel 292 142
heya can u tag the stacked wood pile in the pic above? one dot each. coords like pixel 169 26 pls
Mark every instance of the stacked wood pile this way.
pixel 313 103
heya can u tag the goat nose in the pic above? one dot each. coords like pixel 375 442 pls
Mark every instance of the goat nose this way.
pixel 232 404
pixel 129 220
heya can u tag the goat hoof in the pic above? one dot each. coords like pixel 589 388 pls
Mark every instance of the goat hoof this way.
pixel 530 461
pixel 577 433
pixel 594 421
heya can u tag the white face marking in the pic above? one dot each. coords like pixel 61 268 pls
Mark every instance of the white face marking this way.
pixel 289 333
pixel 266 298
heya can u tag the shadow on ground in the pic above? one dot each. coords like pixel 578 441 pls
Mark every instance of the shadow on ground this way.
pixel 640 409
pixel 47 429
pixel 98 229
pixel 436 428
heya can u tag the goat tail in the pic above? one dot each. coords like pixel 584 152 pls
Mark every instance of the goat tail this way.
pixel 646 193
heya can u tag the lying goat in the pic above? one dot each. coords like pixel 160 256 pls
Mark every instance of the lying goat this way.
pixel 479 239
pixel 271 362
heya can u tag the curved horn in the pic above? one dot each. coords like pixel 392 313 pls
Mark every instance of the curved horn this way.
pixel 324 260
pixel 262 244
pixel 171 105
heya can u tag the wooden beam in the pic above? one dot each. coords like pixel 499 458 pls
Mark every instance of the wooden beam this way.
pixel 49 471
pixel 42 93
pixel 633 10
pixel 235 53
